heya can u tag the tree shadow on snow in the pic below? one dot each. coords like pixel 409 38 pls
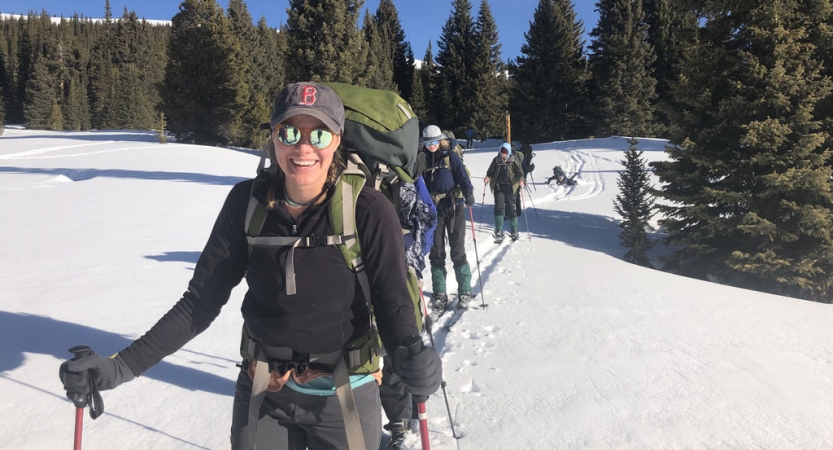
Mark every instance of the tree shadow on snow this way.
pixel 22 333
pixel 589 231
pixel 89 174
pixel 188 257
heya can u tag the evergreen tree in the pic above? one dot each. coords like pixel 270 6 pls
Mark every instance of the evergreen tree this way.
pixel 399 50
pixel 102 80
pixel 324 42
pixel 76 109
pixel 2 110
pixel 623 89
pixel 749 182
pixel 41 97
pixel 490 95
pixel 131 106
pixel 270 75
pixel 635 205
pixel 378 70
pixel 454 90
pixel 429 78
pixel 201 105
pixel 549 79
pixel 672 26
pixel 256 110
pixel 418 97
pixel 8 41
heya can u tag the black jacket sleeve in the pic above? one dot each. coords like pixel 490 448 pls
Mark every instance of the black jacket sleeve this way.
pixel 383 250
pixel 220 268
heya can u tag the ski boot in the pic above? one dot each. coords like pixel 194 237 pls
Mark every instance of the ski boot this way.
pixel 463 300
pixel 398 432
pixel 439 301
pixel 513 227
pixel 498 234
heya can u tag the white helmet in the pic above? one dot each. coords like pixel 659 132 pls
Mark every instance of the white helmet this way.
pixel 432 133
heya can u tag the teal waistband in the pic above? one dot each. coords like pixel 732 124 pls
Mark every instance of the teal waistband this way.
pixel 326 385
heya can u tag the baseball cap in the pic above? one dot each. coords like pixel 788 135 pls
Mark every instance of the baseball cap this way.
pixel 311 99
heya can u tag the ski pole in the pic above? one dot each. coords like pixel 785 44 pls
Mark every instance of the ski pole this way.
pixel 530 200
pixel 423 417
pixel 448 409
pixel 482 202
pixel 80 401
pixel 526 219
pixel 423 426
pixel 533 180
pixel 479 275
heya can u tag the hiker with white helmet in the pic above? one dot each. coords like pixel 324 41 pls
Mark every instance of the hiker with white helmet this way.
pixel 445 176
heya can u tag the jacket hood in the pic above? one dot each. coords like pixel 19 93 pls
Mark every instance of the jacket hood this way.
pixel 506 146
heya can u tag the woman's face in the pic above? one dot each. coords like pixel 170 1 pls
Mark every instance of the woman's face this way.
pixel 432 146
pixel 304 165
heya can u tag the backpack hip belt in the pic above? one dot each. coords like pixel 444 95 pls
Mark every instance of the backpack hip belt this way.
pixel 282 359
pixel 437 197
pixel 285 359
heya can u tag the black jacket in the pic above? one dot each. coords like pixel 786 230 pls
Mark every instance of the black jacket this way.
pixel 328 309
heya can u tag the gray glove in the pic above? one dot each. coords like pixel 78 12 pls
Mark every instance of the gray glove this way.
pixel 104 373
pixel 419 367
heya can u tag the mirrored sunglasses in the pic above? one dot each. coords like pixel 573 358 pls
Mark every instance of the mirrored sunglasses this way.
pixel 432 143
pixel 320 138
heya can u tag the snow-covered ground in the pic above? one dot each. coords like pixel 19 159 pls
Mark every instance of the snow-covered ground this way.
pixel 577 349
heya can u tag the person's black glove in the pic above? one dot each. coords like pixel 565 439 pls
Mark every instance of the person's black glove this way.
pixel 469 199
pixel 419 367
pixel 89 371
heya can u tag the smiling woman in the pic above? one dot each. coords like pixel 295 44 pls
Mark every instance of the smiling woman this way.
pixel 310 349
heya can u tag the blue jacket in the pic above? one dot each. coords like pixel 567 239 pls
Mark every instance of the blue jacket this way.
pixel 444 172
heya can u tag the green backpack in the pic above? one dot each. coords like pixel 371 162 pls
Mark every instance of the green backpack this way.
pixel 381 137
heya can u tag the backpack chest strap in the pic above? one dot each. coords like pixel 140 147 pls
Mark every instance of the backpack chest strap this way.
pixel 293 242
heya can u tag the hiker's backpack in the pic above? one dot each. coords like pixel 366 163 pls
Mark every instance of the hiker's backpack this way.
pixel 381 140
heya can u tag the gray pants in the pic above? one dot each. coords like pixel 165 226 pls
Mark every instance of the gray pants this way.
pixel 290 420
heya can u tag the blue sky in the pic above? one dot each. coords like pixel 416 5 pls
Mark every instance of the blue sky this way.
pixel 421 19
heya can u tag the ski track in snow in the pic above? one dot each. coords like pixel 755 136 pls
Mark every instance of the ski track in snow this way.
pixel 482 340
pixel 41 151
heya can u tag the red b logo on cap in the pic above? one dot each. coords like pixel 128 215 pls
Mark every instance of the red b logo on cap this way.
pixel 308 96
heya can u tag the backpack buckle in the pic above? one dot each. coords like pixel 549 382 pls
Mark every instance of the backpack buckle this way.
pixel 316 241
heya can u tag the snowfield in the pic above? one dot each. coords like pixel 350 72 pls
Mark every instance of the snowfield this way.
pixel 577 349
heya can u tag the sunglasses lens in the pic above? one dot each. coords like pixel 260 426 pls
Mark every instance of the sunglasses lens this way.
pixel 289 135
pixel 321 138
pixel 432 143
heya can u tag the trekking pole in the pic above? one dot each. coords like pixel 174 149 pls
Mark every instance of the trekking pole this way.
pixel 526 219
pixel 423 425
pixel 81 401
pixel 479 275
pixel 530 200
pixel 423 417
pixel 482 202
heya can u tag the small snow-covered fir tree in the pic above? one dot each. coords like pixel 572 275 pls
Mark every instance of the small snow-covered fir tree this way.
pixel 636 206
